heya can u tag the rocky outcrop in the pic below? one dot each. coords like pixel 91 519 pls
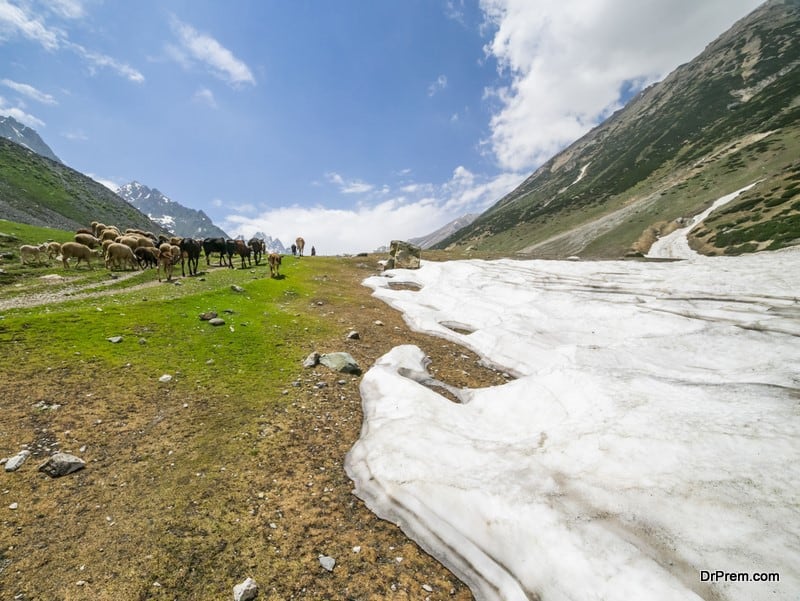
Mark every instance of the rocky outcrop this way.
pixel 403 255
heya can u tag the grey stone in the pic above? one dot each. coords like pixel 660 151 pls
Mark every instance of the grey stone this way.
pixel 353 335
pixel 327 562
pixel 403 255
pixel 115 339
pixel 217 321
pixel 341 362
pixel 15 462
pixel 62 464
pixel 245 591
pixel 312 360
pixel 236 288
pixel 208 315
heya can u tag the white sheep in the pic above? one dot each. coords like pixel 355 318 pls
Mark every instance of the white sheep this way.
pixel 70 250
pixel 118 255
pixel 29 251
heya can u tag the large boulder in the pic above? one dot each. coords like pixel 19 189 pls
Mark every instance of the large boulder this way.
pixel 403 255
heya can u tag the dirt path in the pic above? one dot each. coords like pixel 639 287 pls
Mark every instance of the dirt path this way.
pixel 49 297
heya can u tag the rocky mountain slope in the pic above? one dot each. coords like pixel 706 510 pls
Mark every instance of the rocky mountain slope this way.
pixel 173 216
pixel 728 118
pixel 23 135
pixel 443 232
pixel 40 191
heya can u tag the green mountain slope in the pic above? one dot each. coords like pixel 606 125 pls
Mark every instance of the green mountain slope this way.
pixel 38 191
pixel 727 119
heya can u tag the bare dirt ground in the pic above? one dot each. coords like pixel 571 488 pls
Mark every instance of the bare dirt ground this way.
pixel 111 532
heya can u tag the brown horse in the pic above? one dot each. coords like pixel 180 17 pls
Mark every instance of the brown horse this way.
pixel 300 245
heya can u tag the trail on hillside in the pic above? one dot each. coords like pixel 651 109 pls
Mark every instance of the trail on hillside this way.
pixel 48 297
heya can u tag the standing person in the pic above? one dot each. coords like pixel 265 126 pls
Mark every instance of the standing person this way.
pixel 313 251
pixel 294 250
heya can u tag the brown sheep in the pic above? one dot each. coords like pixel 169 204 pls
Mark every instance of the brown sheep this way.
pixel 78 251
pixel 117 254
pixel 301 244
pixel 87 240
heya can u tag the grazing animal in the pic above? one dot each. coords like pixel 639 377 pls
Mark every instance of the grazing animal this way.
pixel 147 257
pixel 53 250
pixel 76 250
pixel 274 261
pixel 217 245
pixel 190 249
pixel 87 240
pixel 165 261
pixel 110 233
pixel 259 247
pixel 120 255
pixel 301 244
pixel 29 251
pixel 241 249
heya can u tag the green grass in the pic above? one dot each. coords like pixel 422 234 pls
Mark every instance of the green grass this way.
pixel 266 330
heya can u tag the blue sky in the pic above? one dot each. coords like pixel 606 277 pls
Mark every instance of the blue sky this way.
pixel 349 122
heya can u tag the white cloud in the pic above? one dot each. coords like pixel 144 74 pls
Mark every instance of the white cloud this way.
pixel 208 51
pixel 355 186
pixel 205 96
pixel 108 183
pixel 566 61
pixel 454 10
pixel 96 59
pixel 419 209
pixel 68 9
pixel 29 91
pixel 20 115
pixel 15 20
pixel 438 85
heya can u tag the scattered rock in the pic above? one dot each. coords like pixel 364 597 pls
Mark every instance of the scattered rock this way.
pixel 165 378
pixel 245 591
pixel 115 339
pixel 13 506
pixel 236 288
pixel 62 464
pixel 312 360
pixel 353 335
pixel 378 322
pixel 341 362
pixel 427 587
pixel 15 462
pixel 327 562
pixel 403 255
pixel 208 315
pixel 217 321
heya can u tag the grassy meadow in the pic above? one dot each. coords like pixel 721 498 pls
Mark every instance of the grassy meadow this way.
pixel 232 468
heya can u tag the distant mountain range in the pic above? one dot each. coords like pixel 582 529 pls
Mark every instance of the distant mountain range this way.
pixel 23 135
pixel 429 240
pixel 273 244
pixel 173 216
pixel 728 118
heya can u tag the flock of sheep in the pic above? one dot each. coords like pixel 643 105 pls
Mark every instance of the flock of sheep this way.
pixel 138 249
